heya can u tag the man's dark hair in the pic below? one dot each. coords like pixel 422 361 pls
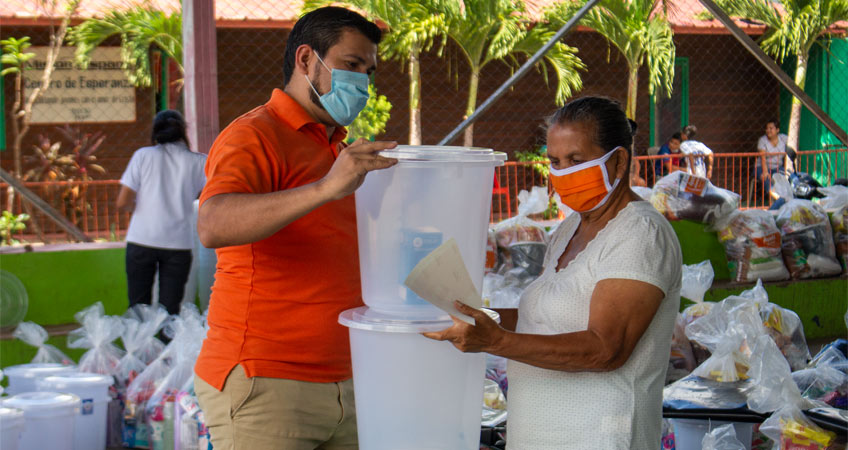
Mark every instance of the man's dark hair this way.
pixel 774 122
pixel 676 136
pixel 169 126
pixel 322 29
pixel 690 131
pixel 611 126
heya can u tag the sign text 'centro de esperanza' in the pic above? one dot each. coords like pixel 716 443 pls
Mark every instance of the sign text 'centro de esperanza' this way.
pixel 100 93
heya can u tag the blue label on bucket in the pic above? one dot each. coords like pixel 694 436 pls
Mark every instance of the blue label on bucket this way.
pixel 87 406
pixel 415 245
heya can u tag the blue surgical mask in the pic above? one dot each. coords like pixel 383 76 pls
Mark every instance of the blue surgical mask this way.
pixel 347 96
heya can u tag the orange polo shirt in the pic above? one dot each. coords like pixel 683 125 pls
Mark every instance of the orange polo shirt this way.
pixel 275 303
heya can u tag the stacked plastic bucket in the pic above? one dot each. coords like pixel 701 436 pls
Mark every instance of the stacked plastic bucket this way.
pixel 54 407
pixel 412 392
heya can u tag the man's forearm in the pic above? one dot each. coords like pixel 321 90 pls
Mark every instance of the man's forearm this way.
pixel 236 219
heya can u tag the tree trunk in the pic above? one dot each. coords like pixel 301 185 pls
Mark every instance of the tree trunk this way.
pixel 414 97
pixel 795 115
pixel 473 84
pixel 632 90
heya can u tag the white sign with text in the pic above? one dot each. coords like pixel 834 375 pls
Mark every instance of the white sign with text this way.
pixel 100 93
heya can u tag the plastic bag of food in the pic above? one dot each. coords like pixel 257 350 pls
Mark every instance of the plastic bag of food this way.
pixel 492 260
pixel 790 429
pixel 520 240
pixel 733 315
pixel 771 380
pixel 782 187
pixel 787 331
pixel 826 384
pixel 187 334
pixel 722 438
pixel 150 319
pixel 836 202
pixel 134 337
pixel 680 195
pixel 832 355
pixel 807 240
pixel 728 362
pixel 140 390
pixel 697 279
pixel 98 333
pixel 836 197
pixel 751 242
pixel 36 336
pixel 643 192
pixel 839 222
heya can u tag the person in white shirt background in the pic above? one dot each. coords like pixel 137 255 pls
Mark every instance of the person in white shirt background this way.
pixel 772 142
pixel 159 187
pixel 699 157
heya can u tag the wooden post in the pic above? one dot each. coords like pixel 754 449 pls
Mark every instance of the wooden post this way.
pixel 201 73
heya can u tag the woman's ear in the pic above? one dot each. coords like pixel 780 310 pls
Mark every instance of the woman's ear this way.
pixel 623 159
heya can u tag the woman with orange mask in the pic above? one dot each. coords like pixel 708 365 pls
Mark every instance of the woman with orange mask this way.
pixel 588 344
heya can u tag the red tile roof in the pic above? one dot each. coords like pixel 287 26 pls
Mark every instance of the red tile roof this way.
pixel 282 13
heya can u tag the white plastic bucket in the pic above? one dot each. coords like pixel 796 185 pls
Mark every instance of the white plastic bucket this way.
pixel 403 213
pixel 11 427
pixel 688 433
pixel 48 419
pixel 22 378
pixel 93 392
pixel 412 392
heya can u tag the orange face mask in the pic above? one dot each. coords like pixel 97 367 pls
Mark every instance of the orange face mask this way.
pixel 584 187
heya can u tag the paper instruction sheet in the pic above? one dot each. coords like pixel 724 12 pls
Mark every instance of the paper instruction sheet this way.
pixel 441 278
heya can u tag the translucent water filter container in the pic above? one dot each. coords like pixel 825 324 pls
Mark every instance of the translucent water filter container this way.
pixel 23 377
pixel 93 392
pixel 48 419
pixel 11 428
pixel 413 392
pixel 403 213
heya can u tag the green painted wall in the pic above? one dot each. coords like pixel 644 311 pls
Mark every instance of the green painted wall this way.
pixel 58 285
pixel 698 245
pixel 63 282
pixel 827 76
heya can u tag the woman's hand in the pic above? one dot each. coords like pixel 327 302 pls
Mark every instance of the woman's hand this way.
pixel 483 336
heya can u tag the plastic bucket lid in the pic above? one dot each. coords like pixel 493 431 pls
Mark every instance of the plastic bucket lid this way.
pixel 435 153
pixel 37 370
pixel 43 404
pixel 80 383
pixel 10 418
pixel 364 318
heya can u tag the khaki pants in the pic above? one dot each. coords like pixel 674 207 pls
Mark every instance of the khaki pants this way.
pixel 276 414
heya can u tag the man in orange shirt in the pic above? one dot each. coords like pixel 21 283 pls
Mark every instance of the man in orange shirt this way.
pixel 275 370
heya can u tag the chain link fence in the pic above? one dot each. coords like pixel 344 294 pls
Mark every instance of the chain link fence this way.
pixel 717 85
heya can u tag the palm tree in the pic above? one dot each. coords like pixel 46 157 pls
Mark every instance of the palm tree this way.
pixel 640 31
pixel 140 29
pixel 791 33
pixel 414 26
pixel 499 30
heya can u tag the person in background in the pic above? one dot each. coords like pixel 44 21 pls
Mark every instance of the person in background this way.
pixel 770 143
pixel 635 178
pixel 699 157
pixel 159 187
pixel 665 166
pixel 274 371
pixel 588 344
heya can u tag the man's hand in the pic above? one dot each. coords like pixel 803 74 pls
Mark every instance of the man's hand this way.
pixel 353 163
pixel 480 337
